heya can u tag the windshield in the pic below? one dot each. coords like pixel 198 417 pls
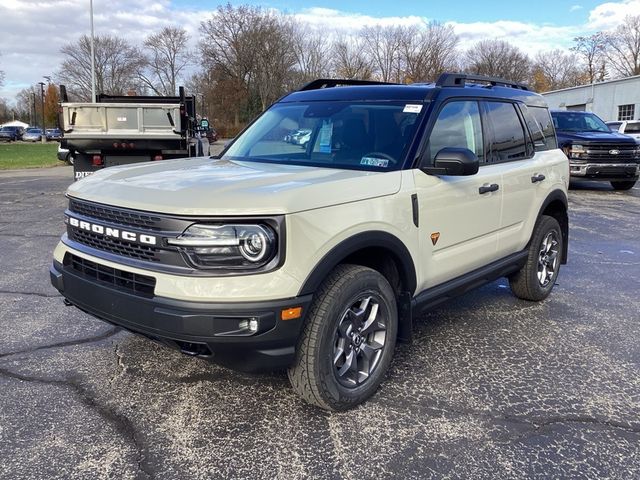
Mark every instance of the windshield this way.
pixel 33 130
pixel 578 122
pixel 362 136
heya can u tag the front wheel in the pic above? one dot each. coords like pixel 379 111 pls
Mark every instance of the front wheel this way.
pixel 348 340
pixel 535 280
pixel 623 184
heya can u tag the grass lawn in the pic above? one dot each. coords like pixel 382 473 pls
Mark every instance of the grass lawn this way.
pixel 28 155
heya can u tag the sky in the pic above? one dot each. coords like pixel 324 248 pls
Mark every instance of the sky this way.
pixel 33 31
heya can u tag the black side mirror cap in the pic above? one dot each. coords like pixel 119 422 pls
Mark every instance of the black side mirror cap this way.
pixel 454 161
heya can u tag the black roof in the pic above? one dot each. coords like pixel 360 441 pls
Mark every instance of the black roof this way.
pixel 330 90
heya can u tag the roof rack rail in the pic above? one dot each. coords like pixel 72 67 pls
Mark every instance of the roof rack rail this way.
pixel 460 79
pixel 334 82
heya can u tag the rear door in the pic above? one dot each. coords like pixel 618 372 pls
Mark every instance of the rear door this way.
pixel 511 150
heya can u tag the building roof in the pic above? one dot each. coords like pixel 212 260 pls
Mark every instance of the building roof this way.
pixel 15 123
pixel 589 85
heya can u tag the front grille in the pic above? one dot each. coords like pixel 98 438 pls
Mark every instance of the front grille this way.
pixel 116 215
pixel 137 284
pixel 601 151
pixel 114 245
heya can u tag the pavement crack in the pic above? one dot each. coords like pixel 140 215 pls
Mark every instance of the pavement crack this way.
pixel 27 235
pixel 120 366
pixel 35 294
pixel 120 422
pixel 68 343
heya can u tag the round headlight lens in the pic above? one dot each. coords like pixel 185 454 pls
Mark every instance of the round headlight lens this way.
pixel 254 244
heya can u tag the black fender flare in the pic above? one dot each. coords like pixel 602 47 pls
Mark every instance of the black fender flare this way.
pixel 360 241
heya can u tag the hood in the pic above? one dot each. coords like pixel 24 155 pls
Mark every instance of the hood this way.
pixel 205 186
pixel 594 137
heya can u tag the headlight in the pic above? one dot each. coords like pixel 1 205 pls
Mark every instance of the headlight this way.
pixel 577 151
pixel 234 246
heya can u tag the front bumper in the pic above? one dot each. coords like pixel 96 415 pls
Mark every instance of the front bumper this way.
pixel 209 330
pixel 605 171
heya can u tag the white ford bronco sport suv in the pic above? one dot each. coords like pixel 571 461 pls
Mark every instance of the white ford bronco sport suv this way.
pixel 316 257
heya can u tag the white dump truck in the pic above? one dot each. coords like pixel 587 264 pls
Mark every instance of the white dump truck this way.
pixel 120 130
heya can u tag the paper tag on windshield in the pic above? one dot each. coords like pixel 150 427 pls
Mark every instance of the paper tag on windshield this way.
pixel 411 108
pixel 374 162
pixel 325 137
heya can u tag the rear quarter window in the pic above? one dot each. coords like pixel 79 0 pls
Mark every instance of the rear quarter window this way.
pixel 543 117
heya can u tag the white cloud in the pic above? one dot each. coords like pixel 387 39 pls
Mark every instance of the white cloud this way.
pixel 610 14
pixel 33 31
pixel 575 8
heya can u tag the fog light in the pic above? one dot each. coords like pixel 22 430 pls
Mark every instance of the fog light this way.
pixel 250 324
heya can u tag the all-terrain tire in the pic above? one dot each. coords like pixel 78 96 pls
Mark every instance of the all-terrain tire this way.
pixel 535 280
pixel 314 374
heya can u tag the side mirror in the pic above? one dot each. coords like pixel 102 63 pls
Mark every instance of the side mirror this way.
pixel 454 161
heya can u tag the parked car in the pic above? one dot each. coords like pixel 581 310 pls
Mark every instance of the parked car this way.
pixel 594 151
pixel 53 134
pixel 32 135
pixel 12 133
pixel 65 155
pixel 317 260
pixel 628 127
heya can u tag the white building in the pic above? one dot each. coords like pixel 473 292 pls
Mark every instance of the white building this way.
pixel 611 100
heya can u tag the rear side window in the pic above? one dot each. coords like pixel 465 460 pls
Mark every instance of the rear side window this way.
pixel 458 125
pixel 508 142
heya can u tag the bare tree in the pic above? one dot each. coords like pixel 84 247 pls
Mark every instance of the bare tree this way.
pixel 350 61
pixel 554 69
pixel 498 58
pixel 427 51
pixel 592 51
pixel 382 46
pixel 312 52
pixel 275 59
pixel 116 63
pixel 165 58
pixel 623 47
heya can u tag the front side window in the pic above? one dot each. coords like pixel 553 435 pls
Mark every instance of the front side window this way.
pixel 361 136
pixel 508 141
pixel 458 125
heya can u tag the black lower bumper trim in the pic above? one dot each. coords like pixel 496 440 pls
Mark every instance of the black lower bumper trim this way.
pixel 213 330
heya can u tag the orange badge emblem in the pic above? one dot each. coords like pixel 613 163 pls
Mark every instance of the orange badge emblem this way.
pixel 434 237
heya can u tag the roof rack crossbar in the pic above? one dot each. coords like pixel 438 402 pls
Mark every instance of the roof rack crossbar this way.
pixel 460 79
pixel 334 82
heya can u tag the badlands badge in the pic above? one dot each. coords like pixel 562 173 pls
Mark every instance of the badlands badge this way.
pixel 435 236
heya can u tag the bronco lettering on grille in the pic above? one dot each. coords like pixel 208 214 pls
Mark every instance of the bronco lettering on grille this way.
pixel 113 232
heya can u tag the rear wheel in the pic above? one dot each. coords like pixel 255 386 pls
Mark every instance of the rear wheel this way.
pixel 623 185
pixel 538 275
pixel 348 340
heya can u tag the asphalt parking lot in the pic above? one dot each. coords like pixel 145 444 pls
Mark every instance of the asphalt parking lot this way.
pixel 492 386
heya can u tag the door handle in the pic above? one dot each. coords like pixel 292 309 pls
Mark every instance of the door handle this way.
pixel 537 178
pixel 488 188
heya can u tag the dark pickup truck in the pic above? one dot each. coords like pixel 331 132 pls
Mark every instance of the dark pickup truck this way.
pixel 594 151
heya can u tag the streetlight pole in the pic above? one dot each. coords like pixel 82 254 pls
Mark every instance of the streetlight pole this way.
pixel 43 138
pixel 93 58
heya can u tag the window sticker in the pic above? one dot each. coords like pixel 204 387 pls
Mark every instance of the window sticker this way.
pixel 412 108
pixel 326 132
pixel 374 162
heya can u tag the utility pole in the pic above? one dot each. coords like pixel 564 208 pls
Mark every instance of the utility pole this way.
pixel 93 58
pixel 44 138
